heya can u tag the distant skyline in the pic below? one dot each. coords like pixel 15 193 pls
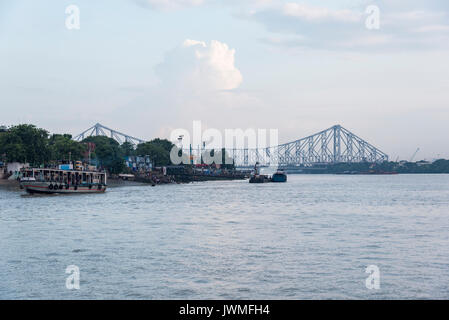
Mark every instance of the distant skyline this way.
pixel 146 67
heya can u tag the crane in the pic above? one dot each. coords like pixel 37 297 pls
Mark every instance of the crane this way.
pixel 413 156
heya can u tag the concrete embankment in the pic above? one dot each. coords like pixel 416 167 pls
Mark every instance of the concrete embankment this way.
pixel 117 182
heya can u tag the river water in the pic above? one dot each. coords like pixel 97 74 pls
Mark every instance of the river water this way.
pixel 310 238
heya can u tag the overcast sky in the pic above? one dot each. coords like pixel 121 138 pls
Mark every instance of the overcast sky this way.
pixel 146 67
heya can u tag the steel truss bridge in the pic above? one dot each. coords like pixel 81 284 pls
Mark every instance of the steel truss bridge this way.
pixel 100 130
pixel 333 145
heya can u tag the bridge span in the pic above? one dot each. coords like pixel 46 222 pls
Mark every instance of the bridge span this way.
pixel 333 145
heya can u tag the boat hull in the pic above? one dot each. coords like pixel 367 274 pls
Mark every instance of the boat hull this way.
pixel 50 188
pixel 259 179
pixel 277 177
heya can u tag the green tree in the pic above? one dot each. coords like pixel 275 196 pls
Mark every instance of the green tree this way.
pixel 12 148
pixel 440 166
pixel 128 149
pixel 108 153
pixel 25 143
pixel 157 149
pixel 64 148
pixel 163 143
pixel 158 155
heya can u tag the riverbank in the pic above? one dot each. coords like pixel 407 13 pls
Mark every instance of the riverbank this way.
pixel 116 182
pixel 7 182
pixel 186 178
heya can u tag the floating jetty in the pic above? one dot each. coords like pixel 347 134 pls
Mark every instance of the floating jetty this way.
pixel 186 174
pixel 193 177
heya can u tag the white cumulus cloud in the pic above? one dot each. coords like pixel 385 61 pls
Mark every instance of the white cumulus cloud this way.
pixel 200 66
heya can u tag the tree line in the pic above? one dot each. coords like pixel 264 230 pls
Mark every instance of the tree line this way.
pixel 438 166
pixel 26 143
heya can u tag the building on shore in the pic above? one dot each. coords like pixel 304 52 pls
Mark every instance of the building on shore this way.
pixel 13 167
pixel 139 163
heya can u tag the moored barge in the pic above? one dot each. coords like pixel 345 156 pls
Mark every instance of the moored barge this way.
pixel 279 176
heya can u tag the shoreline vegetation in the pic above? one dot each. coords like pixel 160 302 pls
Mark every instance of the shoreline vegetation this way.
pixel 26 143
pixel 148 162
pixel 387 167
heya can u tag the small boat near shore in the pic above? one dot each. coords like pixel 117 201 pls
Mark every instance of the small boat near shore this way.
pixel 46 180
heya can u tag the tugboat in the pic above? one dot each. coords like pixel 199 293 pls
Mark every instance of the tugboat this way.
pixel 256 177
pixel 62 180
pixel 279 176
pixel 259 178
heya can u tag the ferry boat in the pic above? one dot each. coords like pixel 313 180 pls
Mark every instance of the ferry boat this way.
pixel 62 180
pixel 256 177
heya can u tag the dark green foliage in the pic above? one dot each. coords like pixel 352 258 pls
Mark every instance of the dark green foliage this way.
pixel 157 149
pixel 63 148
pixel 438 166
pixel 108 152
pixel 128 149
pixel 25 143
pixel 163 143
pixel 441 165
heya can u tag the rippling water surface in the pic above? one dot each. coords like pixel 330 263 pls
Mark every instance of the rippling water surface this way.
pixel 311 237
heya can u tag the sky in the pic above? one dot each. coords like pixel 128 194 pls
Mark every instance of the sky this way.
pixel 147 67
